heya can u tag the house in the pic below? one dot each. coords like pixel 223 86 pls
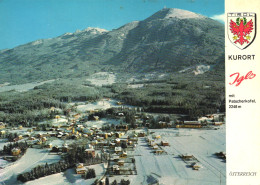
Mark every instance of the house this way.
pixel 2 132
pixel 118 149
pixel 80 169
pixel 55 149
pixel 102 135
pixel 29 130
pixel 96 118
pixel 90 152
pixel 115 158
pixel 20 137
pixel 103 143
pixel 121 127
pixel 49 145
pixel 38 141
pixel 100 139
pixel 123 154
pixel 129 142
pixel 162 124
pixel 195 166
pixel 2 125
pixel 31 138
pixel 116 169
pixel 217 117
pixel 119 134
pixel 187 157
pixel 112 145
pixel 117 140
pixel 218 123
pixel 158 151
pixel 157 137
pixel 44 139
pixel 191 124
pixel 141 134
pixel 121 163
pixel 164 143
pixel 134 140
pixel 16 151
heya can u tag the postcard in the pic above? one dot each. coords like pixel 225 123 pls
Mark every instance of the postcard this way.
pixel 129 92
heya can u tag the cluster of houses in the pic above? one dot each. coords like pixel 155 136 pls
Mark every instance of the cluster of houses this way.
pixel 210 119
pixel 191 161
pixel 155 146
pixel 115 151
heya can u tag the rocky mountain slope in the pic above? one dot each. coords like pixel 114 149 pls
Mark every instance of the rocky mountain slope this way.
pixel 169 41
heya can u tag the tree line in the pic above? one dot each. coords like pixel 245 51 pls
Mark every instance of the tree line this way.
pixel 43 170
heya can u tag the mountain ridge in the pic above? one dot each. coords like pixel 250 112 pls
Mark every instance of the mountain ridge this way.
pixel 167 41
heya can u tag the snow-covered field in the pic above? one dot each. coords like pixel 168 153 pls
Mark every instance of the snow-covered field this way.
pixel 100 123
pixel 31 159
pixel 103 104
pixel 134 86
pixel 22 87
pixel 102 78
pixel 68 177
pixel 170 169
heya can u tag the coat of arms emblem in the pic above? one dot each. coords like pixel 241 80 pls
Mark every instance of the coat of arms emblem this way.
pixel 241 29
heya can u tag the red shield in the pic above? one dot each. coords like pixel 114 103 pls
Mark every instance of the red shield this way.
pixel 241 28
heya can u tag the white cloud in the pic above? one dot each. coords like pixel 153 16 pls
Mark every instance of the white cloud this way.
pixel 220 17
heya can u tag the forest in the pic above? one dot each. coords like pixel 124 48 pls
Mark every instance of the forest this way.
pixel 190 95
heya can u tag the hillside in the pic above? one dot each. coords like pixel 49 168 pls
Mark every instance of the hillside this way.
pixel 169 41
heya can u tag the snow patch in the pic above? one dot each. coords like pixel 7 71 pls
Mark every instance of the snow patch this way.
pixel 182 14
pixel 135 86
pixel 37 42
pixel 201 69
pixel 198 69
pixel 102 78
pixel 95 29
pixel 22 87
pixel 65 34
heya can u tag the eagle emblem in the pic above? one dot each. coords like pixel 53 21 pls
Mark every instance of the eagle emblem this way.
pixel 241 29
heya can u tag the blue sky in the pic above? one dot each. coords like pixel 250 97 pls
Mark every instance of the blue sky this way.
pixel 23 21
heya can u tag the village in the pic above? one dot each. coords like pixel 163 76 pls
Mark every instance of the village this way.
pixel 106 142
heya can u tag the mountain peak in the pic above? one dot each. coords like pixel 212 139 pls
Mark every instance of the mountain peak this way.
pixel 166 13
pixel 92 29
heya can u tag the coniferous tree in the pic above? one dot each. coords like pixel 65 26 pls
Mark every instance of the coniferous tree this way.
pixel 107 181
pixel 114 182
